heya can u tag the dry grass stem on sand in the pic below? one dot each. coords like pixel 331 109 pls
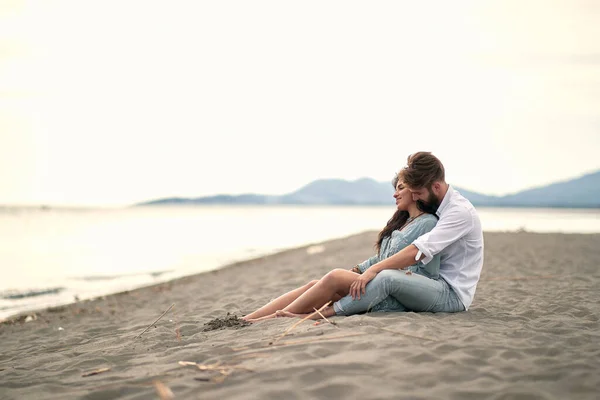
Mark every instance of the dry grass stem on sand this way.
pixel 158 319
pixel 223 370
pixel 163 391
pixel 288 330
pixel 95 372
pixel 325 318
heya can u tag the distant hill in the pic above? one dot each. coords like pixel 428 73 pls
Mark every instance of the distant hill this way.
pixel 338 191
pixel 219 199
pixel 323 191
pixel 583 192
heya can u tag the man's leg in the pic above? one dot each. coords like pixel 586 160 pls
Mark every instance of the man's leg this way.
pixel 415 292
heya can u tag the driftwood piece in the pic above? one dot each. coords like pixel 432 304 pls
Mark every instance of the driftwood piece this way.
pixel 163 391
pixel 95 372
pixel 223 370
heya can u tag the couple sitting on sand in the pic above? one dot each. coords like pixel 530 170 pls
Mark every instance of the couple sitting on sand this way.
pixel 429 256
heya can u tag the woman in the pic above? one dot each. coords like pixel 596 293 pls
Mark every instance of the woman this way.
pixel 410 221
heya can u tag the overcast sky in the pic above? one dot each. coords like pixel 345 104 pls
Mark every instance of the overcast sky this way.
pixel 115 102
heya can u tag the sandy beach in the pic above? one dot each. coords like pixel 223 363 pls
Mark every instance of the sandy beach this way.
pixel 531 333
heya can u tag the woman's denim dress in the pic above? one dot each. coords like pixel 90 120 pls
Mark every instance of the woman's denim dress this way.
pixel 397 241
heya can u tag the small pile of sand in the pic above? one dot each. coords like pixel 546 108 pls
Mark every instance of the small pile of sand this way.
pixel 230 321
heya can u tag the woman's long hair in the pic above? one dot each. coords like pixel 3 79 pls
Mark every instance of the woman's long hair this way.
pixel 399 219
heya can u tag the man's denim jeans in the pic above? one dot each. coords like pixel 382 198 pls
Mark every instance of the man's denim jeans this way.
pixel 414 293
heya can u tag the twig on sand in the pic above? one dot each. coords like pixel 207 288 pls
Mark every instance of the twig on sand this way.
pixel 520 278
pixel 288 330
pixel 95 372
pixel 407 334
pixel 223 370
pixel 325 318
pixel 158 319
pixel 163 391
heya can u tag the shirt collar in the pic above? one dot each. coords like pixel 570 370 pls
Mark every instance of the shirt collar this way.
pixel 445 201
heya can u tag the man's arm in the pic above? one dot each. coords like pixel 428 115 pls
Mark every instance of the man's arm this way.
pixel 402 259
pixel 455 225
pixel 410 254
pixel 452 227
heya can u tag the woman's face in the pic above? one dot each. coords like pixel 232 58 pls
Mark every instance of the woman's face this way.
pixel 403 197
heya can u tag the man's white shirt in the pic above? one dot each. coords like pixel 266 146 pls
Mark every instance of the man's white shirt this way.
pixel 459 238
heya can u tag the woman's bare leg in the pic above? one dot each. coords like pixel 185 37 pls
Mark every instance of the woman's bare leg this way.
pixel 279 303
pixel 336 282
pixel 280 313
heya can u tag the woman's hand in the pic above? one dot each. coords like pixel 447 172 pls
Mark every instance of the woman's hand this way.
pixel 358 286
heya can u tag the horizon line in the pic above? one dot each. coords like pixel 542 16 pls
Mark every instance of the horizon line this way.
pixel 133 204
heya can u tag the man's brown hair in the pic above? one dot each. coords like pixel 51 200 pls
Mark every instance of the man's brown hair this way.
pixel 422 169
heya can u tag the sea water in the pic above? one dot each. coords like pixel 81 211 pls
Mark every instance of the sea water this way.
pixel 50 257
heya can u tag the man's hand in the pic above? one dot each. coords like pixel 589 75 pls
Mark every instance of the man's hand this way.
pixel 358 286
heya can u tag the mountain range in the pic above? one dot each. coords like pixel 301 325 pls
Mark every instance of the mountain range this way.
pixel 582 192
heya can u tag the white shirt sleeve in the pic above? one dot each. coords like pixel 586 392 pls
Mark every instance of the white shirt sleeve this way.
pixel 456 224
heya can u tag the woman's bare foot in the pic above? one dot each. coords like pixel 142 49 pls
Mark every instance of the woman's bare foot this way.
pixel 253 320
pixel 277 314
pixel 287 314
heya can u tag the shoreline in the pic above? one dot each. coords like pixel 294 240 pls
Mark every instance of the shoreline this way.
pixel 22 315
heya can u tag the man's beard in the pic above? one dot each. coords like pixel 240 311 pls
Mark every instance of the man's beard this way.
pixel 431 205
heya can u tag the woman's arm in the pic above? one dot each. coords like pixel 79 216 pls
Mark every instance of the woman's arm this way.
pixel 404 258
pixel 363 266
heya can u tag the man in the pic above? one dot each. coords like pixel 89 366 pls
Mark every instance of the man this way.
pixel 457 236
